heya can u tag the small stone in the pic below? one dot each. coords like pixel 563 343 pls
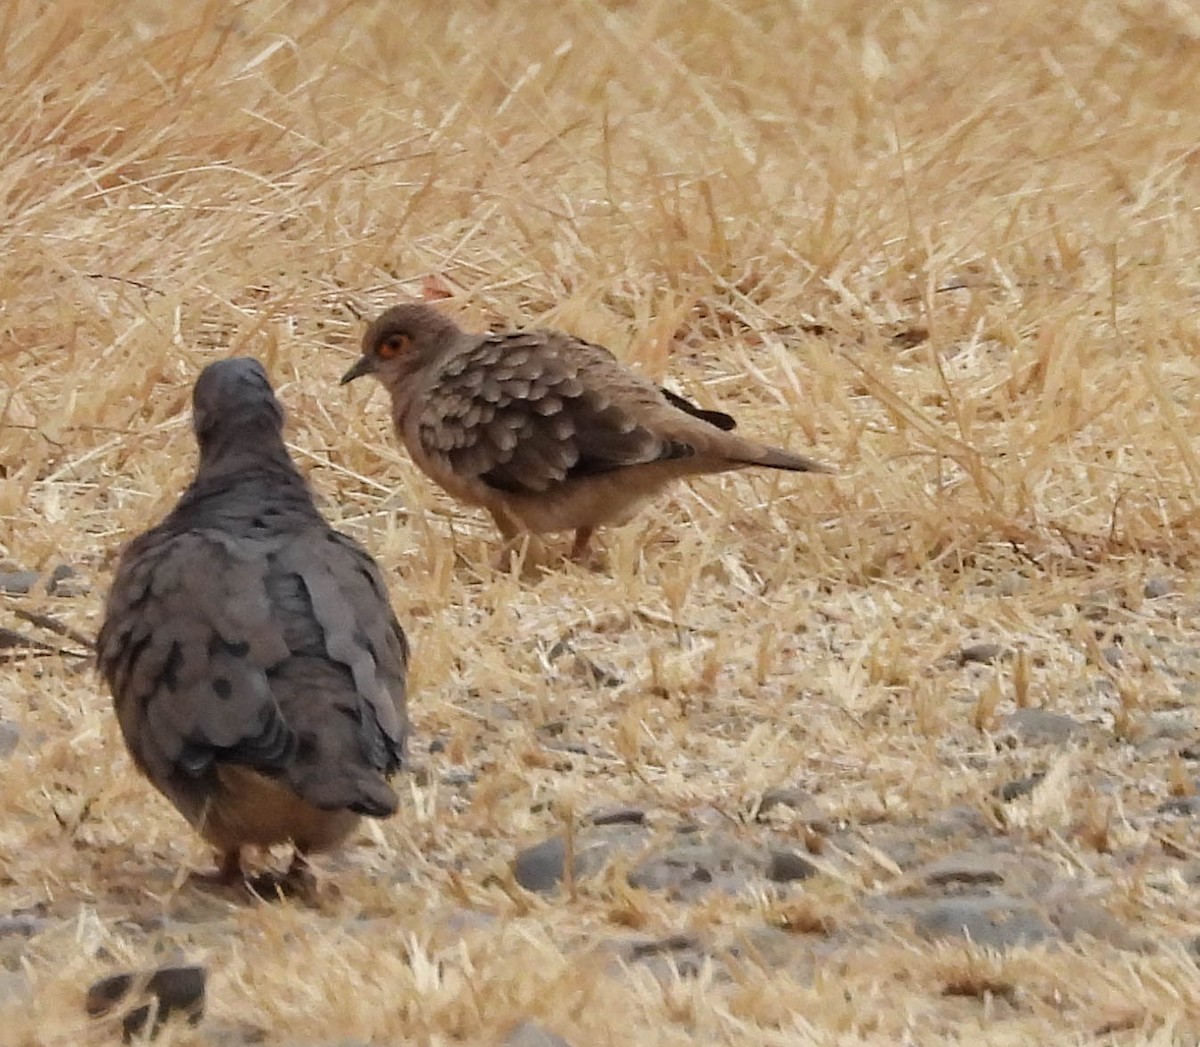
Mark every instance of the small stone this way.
pixel 531 1034
pixel 540 867
pixel 1042 727
pixel 959 820
pixel 22 925
pixel 995 921
pixel 1157 587
pixel 785 866
pixel 617 816
pixel 1185 805
pixel 18 583
pixel 177 990
pixel 791 796
pixel 1019 787
pixel 67 582
pixel 982 653
pixel 458 776
pixel 677 955
pixel 438 745
pixel 1114 656
pixel 968 868
pixel 699 862
pixel 1074 915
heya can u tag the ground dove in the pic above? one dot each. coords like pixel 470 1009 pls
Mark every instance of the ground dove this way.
pixel 257 668
pixel 545 431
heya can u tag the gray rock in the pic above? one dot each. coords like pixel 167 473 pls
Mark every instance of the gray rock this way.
pixel 22 925
pixel 1185 805
pixel 530 1034
pixel 617 816
pixel 67 582
pixel 785 865
pixel 994 921
pixel 1157 587
pixel 966 868
pixel 961 819
pixel 791 796
pixel 458 776
pixel 982 653
pixel 1076 916
pixel 17 582
pixel 1042 727
pixel 697 863
pixel 540 867
pixel 177 990
pixel 794 798
pixel 1019 787
pixel 676 956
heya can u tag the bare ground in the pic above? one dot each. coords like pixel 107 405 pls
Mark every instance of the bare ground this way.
pixel 909 754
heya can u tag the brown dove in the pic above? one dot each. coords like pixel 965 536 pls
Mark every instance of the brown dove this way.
pixel 257 669
pixel 545 431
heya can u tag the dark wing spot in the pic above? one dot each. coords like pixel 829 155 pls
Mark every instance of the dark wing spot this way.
pixel 222 688
pixel 718 418
pixel 502 480
pixel 306 747
pixel 169 677
pixel 132 654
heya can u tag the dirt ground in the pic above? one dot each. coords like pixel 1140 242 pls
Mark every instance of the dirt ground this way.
pixel 904 755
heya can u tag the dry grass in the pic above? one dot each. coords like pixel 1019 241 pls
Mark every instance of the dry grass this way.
pixel 950 247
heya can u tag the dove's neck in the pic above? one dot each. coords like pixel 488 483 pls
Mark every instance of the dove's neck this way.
pixel 248 448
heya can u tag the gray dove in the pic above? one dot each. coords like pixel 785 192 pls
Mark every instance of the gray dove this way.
pixel 544 430
pixel 256 666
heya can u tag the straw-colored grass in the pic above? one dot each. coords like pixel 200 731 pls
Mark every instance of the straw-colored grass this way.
pixel 950 247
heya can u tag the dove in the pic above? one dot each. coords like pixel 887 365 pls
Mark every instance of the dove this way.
pixel 545 431
pixel 257 669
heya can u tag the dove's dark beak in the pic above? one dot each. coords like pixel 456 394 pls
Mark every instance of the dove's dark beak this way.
pixel 364 365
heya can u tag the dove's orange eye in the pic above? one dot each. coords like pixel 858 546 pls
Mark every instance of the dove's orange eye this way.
pixel 394 345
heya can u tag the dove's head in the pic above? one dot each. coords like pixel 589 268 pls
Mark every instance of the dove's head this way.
pixel 401 342
pixel 234 396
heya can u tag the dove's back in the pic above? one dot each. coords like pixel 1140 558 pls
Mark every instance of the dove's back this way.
pixel 257 668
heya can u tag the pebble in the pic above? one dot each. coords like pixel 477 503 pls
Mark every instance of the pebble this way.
pixel 1019 787
pixel 785 866
pixel 995 921
pixel 458 776
pixel 698 863
pixel 540 867
pixel 1076 916
pixel 794 798
pixel 1043 727
pixel 67 582
pixel 177 989
pixel 967 868
pixel 1185 805
pixel 617 816
pixel 64 580
pixel 1157 587
pixel 22 925
pixel 982 653
pixel 670 958
pixel 17 582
